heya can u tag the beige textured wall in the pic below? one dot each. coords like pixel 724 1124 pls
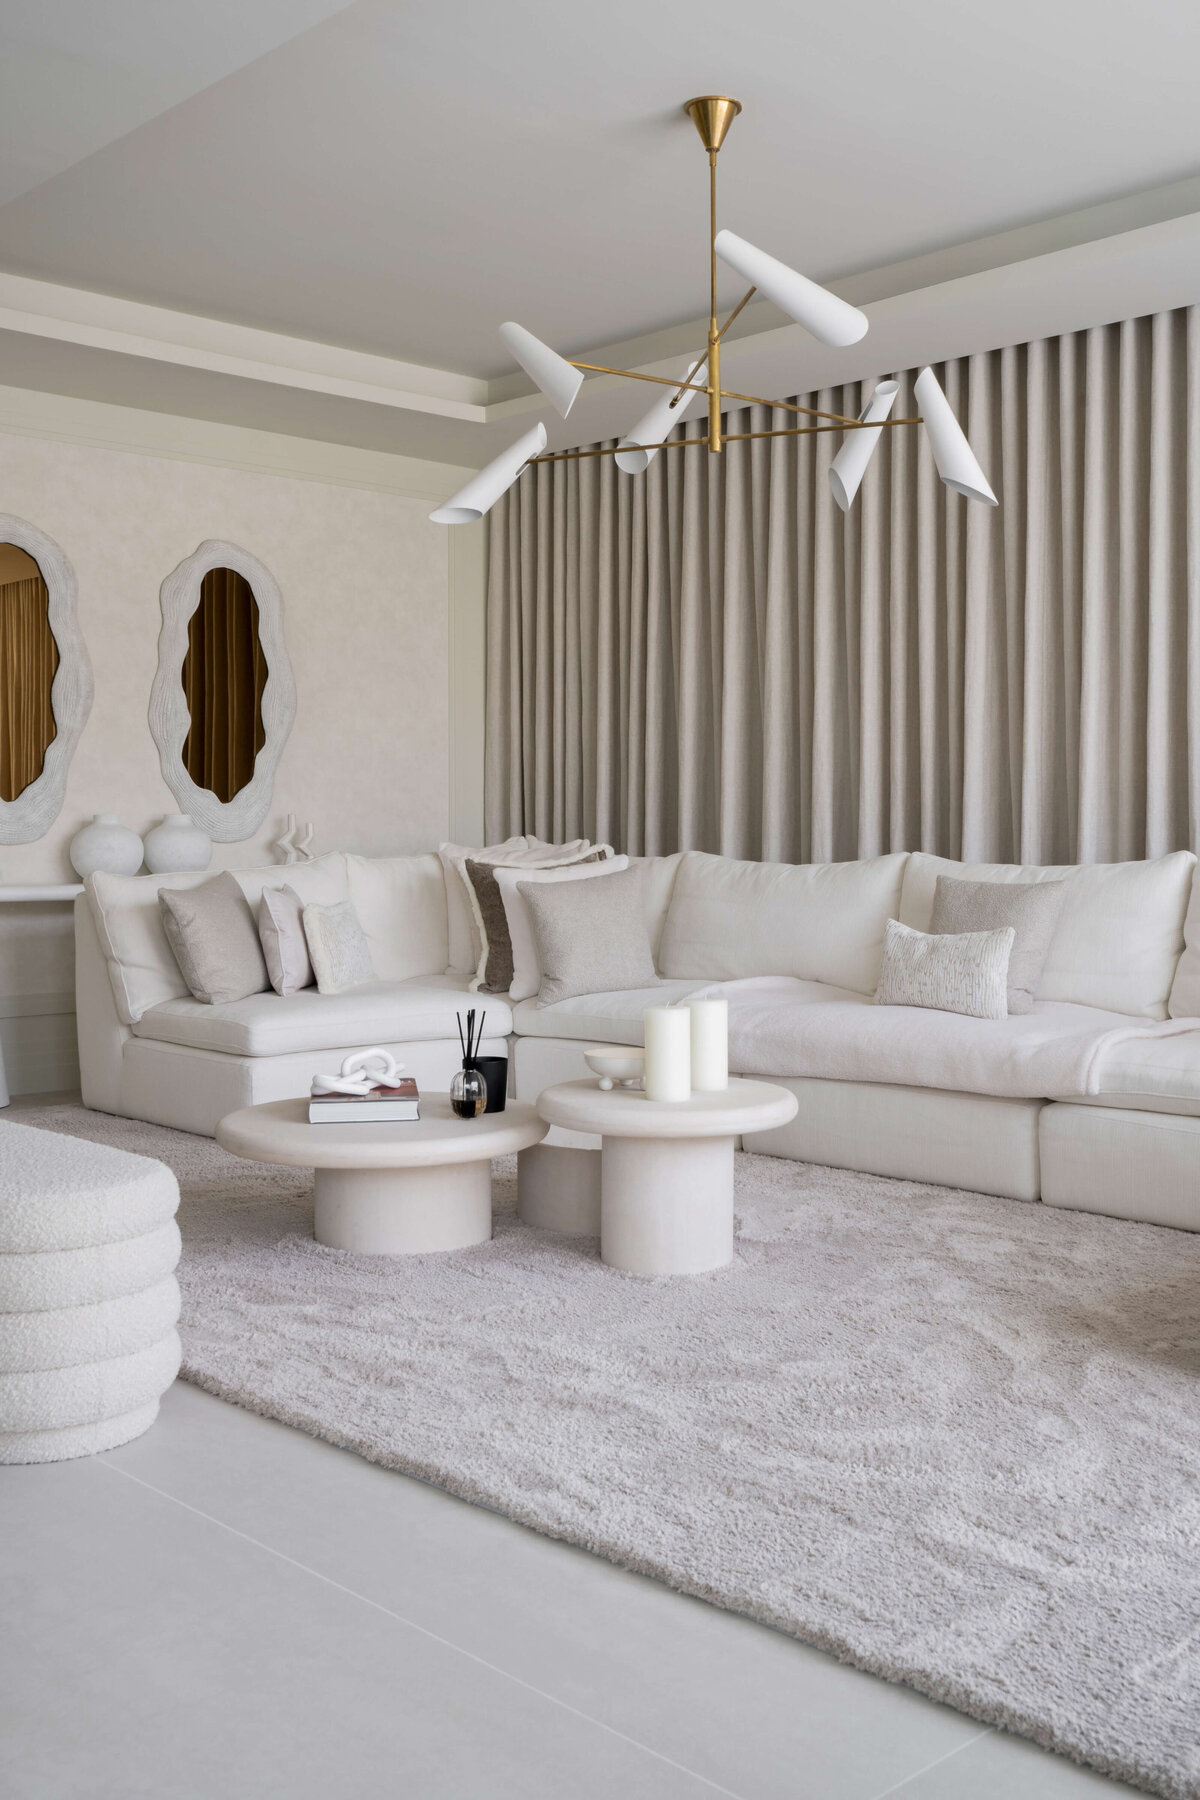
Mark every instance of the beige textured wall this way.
pixel 363 576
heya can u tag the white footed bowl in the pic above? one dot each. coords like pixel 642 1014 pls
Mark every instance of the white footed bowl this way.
pixel 616 1062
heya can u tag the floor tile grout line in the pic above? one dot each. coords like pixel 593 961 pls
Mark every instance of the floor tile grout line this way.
pixel 435 1637
pixel 899 1786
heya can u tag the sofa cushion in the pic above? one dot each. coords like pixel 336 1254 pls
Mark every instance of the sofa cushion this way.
pixel 141 966
pixel 381 1012
pixel 815 921
pixel 1119 935
pixel 215 940
pixel 958 972
pixel 599 1018
pixel 1053 1052
pixel 526 962
pixel 401 902
pixel 1184 1002
pixel 1152 1074
pixel 1031 908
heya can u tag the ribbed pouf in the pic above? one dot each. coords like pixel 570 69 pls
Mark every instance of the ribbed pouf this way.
pixel 88 1297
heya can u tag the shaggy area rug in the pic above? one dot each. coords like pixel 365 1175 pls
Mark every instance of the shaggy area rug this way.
pixel 954 1440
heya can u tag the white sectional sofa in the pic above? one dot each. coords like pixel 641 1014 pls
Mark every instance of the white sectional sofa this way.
pixel 1091 1101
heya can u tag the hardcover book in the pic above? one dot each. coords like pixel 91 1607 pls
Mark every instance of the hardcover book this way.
pixel 382 1106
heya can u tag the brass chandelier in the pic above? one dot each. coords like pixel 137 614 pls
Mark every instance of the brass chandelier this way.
pixel 832 320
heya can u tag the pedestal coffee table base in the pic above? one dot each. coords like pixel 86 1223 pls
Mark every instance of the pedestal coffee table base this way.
pixel 401 1212
pixel 666 1204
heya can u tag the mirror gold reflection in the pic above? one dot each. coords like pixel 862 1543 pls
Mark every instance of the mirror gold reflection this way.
pixel 28 661
pixel 224 674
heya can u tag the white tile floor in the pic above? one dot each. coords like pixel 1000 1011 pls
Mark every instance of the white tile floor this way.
pixel 230 1610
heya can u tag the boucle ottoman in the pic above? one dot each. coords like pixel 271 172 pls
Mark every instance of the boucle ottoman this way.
pixel 88 1297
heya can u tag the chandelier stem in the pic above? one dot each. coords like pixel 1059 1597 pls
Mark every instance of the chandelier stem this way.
pixel 714 330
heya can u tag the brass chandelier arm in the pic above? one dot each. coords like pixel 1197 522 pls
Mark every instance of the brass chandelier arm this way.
pixel 733 437
pixel 613 449
pixel 634 375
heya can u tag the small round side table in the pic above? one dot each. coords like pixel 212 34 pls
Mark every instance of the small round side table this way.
pixel 666 1167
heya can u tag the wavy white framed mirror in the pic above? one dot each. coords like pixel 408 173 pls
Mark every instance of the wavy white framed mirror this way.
pixel 224 698
pixel 45 679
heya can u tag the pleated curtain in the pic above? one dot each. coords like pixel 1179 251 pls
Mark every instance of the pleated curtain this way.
pixel 712 656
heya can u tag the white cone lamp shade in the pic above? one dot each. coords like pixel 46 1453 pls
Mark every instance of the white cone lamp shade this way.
pixel 834 321
pixel 850 464
pixel 953 455
pixel 552 373
pixel 483 490
pixel 655 426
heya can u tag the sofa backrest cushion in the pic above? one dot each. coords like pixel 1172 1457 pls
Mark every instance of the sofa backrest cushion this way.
pixel 141 964
pixel 1184 1002
pixel 658 886
pixel 401 902
pixel 1119 934
pixel 817 921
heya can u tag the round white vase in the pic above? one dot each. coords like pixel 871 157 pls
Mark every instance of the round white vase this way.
pixel 177 846
pixel 106 847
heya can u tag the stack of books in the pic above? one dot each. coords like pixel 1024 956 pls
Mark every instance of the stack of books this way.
pixel 382 1106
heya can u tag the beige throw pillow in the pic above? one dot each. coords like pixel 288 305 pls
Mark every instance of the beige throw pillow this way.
pixel 281 932
pixel 337 944
pixel 1032 908
pixel 495 970
pixel 964 974
pixel 212 932
pixel 527 970
pixel 591 935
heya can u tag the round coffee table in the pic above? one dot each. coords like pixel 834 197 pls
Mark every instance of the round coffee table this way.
pixel 390 1190
pixel 666 1167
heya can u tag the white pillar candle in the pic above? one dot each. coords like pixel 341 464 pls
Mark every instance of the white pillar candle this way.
pixel 668 1032
pixel 710 1045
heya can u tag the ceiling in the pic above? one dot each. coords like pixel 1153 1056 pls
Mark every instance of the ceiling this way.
pixel 395 177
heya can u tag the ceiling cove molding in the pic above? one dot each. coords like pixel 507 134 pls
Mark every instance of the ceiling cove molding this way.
pixel 126 327
pixel 61 418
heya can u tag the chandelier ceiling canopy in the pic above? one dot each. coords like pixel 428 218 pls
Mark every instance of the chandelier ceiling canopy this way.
pixel 831 320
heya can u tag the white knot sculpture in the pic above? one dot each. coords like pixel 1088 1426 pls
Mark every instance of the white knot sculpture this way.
pixel 361 1071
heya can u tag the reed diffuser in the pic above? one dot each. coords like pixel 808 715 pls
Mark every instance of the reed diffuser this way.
pixel 468 1089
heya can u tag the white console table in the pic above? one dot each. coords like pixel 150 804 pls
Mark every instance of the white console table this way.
pixel 14 893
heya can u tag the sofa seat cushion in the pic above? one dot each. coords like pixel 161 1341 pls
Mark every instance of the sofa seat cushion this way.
pixel 1055 1051
pixel 270 1024
pixel 614 1018
pixel 1153 1074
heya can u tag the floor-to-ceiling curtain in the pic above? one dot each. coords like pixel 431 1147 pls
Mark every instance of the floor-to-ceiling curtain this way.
pixel 712 656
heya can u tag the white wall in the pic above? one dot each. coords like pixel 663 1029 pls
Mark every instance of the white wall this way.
pixel 368 607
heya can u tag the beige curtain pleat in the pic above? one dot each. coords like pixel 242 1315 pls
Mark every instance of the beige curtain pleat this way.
pixel 712 656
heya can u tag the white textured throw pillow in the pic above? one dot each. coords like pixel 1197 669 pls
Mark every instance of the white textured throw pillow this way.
pixel 281 930
pixel 527 967
pixel 337 944
pixel 965 973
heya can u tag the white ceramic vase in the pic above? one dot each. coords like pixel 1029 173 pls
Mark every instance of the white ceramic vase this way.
pixel 106 847
pixel 177 846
